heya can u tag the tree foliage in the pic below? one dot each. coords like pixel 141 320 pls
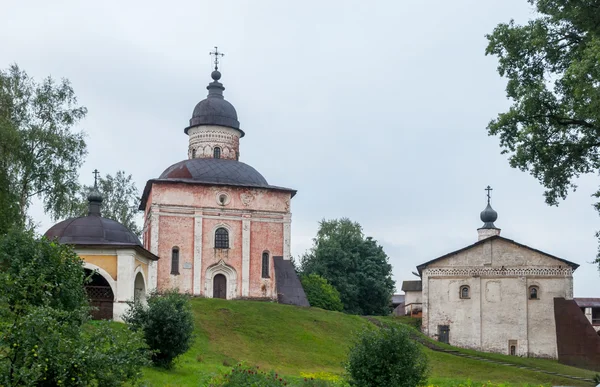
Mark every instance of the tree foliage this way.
pixel 320 293
pixel 120 200
pixel 552 64
pixel 167 323
pixel 40 151
pixel 354 264
pixel 386 357
pixel 44 336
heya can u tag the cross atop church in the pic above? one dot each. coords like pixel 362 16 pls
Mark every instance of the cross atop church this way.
pixel 96 173
pixel 489 193
pixel 217 54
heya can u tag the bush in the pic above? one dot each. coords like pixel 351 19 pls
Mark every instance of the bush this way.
pixel 243 376
pixel 386 357
pixel 167 323
pixel 320 293
pixel 43 312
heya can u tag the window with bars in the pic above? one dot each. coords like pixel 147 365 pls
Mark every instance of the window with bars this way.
pixel 175 260
pixel 533 292
pixel 193 153
pixel 265 265
pixel 221 238
pixel 217 153
pixel 464 292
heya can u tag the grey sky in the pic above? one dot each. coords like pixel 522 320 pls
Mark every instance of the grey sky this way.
pixel 373 110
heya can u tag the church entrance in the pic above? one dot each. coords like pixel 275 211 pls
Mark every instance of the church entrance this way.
pixel 444 334
pixel 220 286
pixel 100 296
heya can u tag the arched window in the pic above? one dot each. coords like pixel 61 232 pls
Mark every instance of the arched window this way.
pixel 265 264
pixel 217 152
pixel 175 260
pixel 465 292
pixel 193 153
pixel 533 292
pixel 221 238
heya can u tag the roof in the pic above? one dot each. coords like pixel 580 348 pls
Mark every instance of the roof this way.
pixel 397 299
pixel 412 286
pixel 289 287
pixel 588 302
pixel 96 231
pixel 424 265
pixel 211 171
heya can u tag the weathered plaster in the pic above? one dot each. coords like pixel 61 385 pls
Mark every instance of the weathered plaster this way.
pixel 204 138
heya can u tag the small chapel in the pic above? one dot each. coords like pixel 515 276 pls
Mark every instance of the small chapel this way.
pixel 220 229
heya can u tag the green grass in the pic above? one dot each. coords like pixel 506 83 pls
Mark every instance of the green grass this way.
pixel 544 364
pixel 299 341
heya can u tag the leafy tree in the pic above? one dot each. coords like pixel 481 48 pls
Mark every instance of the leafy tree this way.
pixel 44 336
pixel 320 293
pixel 120 200
pixel 42 153
pixel 386 357
pixel 356 266
pixel 552 64
pixel 167 323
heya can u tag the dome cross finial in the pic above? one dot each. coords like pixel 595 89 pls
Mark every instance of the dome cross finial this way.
pixel 96 173
pixel 489 193
pixel 217 54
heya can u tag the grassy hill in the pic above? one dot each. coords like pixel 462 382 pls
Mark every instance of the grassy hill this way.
pixel 308 341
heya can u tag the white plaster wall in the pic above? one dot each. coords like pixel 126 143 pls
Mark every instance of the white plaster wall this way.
pixel 204 138
pixel 499 274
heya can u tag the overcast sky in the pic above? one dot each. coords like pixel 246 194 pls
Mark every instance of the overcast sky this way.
pixel 372 110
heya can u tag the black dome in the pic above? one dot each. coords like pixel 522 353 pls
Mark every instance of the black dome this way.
pixel 92 230
pixel 214 109
pixel 488 217
pixel 215 171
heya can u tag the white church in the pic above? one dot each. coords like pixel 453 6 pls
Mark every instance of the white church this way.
pixel 495 295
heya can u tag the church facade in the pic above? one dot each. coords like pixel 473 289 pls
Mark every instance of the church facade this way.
pixel 220 228
pixel 496 295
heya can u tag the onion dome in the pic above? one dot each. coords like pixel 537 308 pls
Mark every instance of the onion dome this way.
pixel 488 217
pixel 214 109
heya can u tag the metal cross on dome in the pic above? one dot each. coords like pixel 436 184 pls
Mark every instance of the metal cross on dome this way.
pixel 489 193
pixel 217 54
pixel 96 173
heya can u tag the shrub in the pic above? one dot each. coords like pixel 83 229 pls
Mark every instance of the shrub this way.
pixel 242 376
pixel 386 357
pixel 320 293
pixel 167 323
pixel 43 316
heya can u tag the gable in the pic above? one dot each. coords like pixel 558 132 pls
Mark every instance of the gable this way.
pixel 497 252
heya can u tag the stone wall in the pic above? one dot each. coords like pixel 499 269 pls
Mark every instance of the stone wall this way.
pixel 186 216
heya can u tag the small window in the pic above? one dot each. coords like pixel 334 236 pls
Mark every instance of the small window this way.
pixel 265 265
pixel 465 292
pixel 533 293
pixel 193 153
pixel 221 238
pixel 175 260
pixel 217 153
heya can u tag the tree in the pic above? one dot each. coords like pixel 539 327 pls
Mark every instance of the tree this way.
pixel 320 293
pixel 386 357
pixel 42 154
pixel 356 266
pixel 167 323
pixel 120 200
pixel 44 336
pixel 552 64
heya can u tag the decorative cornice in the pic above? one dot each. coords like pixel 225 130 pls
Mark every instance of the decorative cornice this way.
pixel 499 272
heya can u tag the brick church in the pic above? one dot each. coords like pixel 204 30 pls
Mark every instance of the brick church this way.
pixel 219 228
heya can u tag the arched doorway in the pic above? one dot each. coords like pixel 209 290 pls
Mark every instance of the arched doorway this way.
pixel 100 296
pixel 139 291
pixel 220 286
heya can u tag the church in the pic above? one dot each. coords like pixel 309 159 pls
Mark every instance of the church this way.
pixel 498 295
pixel 220 229
pixel 213 226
